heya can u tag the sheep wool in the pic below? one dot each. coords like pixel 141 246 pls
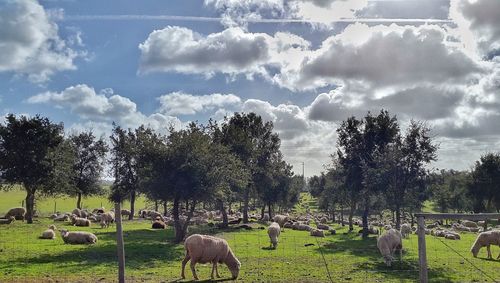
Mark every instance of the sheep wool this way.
pixel 281 219
pixel 388 243
pixel 49 233
pixel 317 233
pixel 209 249
pixel 17 212
pixel 273 231
pixel 8 220
pixel 485 239
pixel 405 230
pixel 78 238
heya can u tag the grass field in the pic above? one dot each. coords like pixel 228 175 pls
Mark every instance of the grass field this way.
pixel 151 257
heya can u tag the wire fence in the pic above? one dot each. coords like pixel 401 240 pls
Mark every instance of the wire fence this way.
pixel 151 257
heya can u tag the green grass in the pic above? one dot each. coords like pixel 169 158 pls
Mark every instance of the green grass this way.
pixel 152 257
pixel 45 205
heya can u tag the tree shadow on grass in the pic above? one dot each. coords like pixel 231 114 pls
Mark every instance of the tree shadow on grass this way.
pixel 353 244
pixel 202 281
pixel 142 249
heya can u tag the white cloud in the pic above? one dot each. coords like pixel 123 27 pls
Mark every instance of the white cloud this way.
pixel 30 44
pixel 103 107
pixel 176 103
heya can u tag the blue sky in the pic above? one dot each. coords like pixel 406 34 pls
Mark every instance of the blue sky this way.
pixel 306 65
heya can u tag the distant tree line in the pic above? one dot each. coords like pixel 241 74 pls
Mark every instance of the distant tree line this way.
pixel 214 166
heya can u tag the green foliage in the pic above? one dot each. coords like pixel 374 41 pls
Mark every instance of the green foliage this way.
pixel 485 183
pixel 450 191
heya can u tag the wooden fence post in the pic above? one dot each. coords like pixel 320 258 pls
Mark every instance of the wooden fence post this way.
pixel 119 244
pixel 422 256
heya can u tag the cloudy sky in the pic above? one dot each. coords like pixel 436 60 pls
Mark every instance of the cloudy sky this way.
pixel 306 65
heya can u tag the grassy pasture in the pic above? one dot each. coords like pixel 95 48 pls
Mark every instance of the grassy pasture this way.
pixel 151 257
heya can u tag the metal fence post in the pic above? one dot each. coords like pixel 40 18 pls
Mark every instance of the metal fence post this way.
pixel 422 256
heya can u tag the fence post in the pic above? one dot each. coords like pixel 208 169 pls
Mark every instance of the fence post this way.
pixel 422 256
pixel 119 244
pixel 55 206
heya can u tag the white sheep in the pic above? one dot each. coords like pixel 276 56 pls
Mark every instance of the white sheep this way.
pixel 77 212
pixel 62 217
pixel 107 218
pixel 405 230
pixel 317 233
pixel 388 243
pixel 281 219
pixel 485 239
pixel 77 221
pixel 155 214
pixel 274 231
pixel 49 233
pixel 205 249
pixel 18 213
pixel 78 237
pixel 323 226
pixel 470 224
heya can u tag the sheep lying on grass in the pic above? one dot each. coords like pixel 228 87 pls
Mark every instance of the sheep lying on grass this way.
pixel 62 218
pixel 317 233
pixel 323 227
pixel 77 221
pixel 388 243
pixel 78 238
pixel 274 231
pixel 158 224
pixel 8 220
pixel 281 219
pixel 205 249
pixel 49 233
pixel 485 239
pixel 406 230
pixel 17 212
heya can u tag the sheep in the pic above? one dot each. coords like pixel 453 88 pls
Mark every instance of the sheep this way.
pixel 323 220
pixel 485 239
pixel 281 219
pixel 274 231
pixel 98 210
pixel 18 213
pixel 405 230
pixel 289 224
pixel 107 218
pixel 77 238
pixel 317 233
pixel 125 212
pixel 205 249
pixel 84 213
pixel 8 220
pixel 451 236
pixel 387 227
pixel 158 224
pixel 49 233
pixel 154 214
pixel 388 243
pixel 469 224
pixel 62 217
pixel 323 227
pixel 77 221
pixel 77 212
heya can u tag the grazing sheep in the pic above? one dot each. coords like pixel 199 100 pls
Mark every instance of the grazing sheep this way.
pixel 317 233
pixel 485 239
pixel 49 233
pixel 281 219
pixel 388 243
pixel 18 213
pixel 77 221
pixel 77 212
pixel 158 224
pixel 205 249
pixel 274 231
pixel 77 238
pixel 405 230
pixel 8 220
pixel 107 218
pixel 125 212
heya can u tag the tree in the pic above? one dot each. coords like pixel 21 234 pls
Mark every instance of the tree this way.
pixel 450 191
pixel 485 183
pixel 87 166
pixel 29 154
pixel 250 139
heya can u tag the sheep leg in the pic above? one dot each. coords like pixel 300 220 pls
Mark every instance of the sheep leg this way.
pixel 193 270
pixel 489 252
pixel 217 270
pixel 214 264
pixel 184 261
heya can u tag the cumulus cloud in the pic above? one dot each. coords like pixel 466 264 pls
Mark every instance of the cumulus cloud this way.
pixel 176 103
pixel 30 44
pixel 103 106
pixel 479 21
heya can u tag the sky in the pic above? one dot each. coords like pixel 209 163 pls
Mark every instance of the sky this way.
pixel 305 65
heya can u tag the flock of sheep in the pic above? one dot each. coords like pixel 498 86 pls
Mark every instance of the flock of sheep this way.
pixel 214 250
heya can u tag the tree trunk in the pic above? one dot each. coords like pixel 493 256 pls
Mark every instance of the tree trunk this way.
pixel 262 212
pixel 132 206
pixel 222 209
pixel 412 219
pixel 79 200
pixel 30 204
pixel 119 246
pixel 165 210
pixel 270 211
pixel 245 204
pixel 365 222
pixel 398 217
pixel 342 215
pixel 179 235
pixel 351 214
pixel 333 215
pixel 156 205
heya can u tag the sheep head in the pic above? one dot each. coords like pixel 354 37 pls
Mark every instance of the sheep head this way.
pixel 233 264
